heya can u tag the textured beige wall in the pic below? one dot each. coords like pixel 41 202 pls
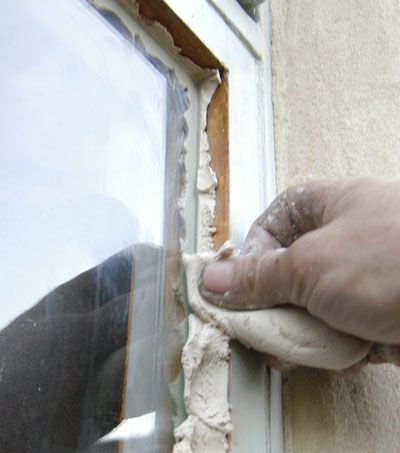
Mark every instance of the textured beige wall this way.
pixel 336 93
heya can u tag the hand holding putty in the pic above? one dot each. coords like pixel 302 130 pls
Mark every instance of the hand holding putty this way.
pixel 316 281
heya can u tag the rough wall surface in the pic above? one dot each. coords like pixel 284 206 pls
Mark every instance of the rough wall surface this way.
pixel 336 94
pixel 336 88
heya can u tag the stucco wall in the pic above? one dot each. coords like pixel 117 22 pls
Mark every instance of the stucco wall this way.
pixel 336 94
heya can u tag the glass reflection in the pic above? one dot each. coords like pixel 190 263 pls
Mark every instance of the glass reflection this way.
pixel 82 176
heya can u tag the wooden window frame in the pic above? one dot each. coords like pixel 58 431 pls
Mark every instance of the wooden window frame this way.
pixel 219 36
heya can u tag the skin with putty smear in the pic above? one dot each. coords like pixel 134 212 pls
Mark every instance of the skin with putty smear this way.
pixel 331 247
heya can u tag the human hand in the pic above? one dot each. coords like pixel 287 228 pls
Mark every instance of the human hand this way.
pixel 331 247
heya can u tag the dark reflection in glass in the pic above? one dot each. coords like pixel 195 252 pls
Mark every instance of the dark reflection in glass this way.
pixel 91 166
pixel 62 362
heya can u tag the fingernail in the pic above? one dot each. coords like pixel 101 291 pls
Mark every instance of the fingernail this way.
pixel 218 277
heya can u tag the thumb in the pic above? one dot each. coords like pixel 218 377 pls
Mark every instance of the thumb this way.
pixel 248 281
pixel 265 279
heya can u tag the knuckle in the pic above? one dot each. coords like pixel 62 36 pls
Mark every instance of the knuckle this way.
pixel 255 279
pixel 303 269
pixel 245 278
pixel 323 301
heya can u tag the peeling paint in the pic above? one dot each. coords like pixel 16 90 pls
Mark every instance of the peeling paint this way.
pixel 174 35
pixel 190 45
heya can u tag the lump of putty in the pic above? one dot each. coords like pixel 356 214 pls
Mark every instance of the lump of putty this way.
pixel 287 332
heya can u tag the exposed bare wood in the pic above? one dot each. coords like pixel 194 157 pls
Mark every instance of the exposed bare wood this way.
pixel 218 133
pixel 190 45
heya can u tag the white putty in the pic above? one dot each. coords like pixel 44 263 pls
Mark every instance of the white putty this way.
pixel 206 178
pixel 205 364
pixel 289 333
pixel 205 360
pixel 194 436
pixel 205 356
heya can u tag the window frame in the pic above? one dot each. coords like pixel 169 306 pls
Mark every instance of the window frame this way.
pixel 205 36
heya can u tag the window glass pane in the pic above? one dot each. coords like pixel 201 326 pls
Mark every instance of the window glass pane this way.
pixel 87 144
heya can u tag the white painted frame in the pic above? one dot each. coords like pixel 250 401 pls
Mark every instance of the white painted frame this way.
pixel 242 45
